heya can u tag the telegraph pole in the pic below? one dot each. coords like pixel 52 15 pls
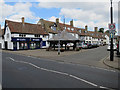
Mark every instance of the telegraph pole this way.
pixel 111 45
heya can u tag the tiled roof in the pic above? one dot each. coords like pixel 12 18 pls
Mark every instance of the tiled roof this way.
pixel 61 27
pixel 96 34
pixel 1 32
pixel 26 28
pixel 75 30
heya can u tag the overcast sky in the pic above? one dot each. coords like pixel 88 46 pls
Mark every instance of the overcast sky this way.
pixel 84 12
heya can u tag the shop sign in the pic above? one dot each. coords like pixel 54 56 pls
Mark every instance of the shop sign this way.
pixel 36 39
pixel 25 39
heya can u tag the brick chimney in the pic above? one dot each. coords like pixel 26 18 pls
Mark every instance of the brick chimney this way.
pixel 23 20
pixel 96 29
pixel 86 27
pixel 57 20
pixel 71 23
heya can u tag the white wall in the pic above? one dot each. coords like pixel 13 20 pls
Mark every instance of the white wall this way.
pixel 15 35
pixel 107 39
pixel 119 45
pixel 7 37
pixel 2 42
pixel 28 35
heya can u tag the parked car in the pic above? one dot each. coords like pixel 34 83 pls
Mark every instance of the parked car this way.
pixel 114 47
pixel 79 46
pixel 95 45
pixel 83 45
pixel 89 45
pixel 118 48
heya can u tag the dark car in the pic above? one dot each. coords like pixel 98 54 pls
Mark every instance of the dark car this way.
pixel 89 45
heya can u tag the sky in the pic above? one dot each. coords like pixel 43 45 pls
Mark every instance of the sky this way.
pixel 93 13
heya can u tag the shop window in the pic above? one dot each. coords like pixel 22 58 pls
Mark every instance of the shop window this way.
pixel 32 45
pixel 23 45
pixel 44 43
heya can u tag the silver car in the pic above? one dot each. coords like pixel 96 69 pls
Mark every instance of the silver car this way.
pixel 114 47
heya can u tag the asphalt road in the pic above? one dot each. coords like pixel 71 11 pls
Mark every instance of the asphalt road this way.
pixel 91 57
pixel 29 72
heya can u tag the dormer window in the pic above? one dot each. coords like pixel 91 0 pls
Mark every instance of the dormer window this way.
pixel 53 28
pixel 72 29
pixel 68 28
pixel 80 31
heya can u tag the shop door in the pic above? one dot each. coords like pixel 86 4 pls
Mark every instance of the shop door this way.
pixel 0 46
pixel 6 45
pixel 14 45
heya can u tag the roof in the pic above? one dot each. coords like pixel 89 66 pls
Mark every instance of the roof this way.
pixel 1 32
pixel 63 36
pixel 26 28
pixel 60 26
pixel 96 34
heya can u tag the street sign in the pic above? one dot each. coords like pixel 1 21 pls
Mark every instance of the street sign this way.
pixel 112 26
pixel 111 35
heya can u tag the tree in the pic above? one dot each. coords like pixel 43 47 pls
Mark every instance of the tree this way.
pixel 107 31
pixel 101 30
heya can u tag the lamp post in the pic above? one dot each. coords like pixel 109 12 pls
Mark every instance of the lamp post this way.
pixel 111 45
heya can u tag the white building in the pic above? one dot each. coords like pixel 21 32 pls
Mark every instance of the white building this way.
pixel 21 35
pixel 1 38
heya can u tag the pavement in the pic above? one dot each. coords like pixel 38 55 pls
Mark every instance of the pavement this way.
pixel 42 53
pixel 113 64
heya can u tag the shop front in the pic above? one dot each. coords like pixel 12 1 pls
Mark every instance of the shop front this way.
pixel 26 43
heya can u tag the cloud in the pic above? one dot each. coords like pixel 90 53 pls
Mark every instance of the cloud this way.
pixel 53 19
pixel 15 12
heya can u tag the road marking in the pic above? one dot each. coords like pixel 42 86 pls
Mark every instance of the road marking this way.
pixel 62 73
pixel 69 63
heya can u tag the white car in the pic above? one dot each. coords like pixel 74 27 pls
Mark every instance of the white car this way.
pixel 114 47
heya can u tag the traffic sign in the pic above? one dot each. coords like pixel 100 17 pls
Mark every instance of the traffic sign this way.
pixel 111 35
pixel 112 26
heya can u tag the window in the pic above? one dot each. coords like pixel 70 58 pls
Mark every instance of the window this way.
pixel 53 28
pixel 68 28
pixel 22 35
pixel 85 31
pixel 7 35
pixel 80 31
pixel 72 29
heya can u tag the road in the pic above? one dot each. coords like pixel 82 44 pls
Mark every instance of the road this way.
pixel 91 57
pixel 30 72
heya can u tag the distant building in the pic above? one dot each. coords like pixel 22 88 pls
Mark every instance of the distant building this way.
pixel 81 34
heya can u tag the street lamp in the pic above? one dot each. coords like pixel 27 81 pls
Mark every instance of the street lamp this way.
pixel 111 45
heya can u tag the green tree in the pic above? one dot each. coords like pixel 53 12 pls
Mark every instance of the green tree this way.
pixel 101 30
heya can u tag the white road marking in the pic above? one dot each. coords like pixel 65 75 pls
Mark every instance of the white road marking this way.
pixel 71 63
pixel 62 73
pixel 77 64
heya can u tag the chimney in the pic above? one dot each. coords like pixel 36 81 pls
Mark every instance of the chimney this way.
pixel 23 20
pixel 71 23
pixel 96 29
pixel 86 27
pixel 57 20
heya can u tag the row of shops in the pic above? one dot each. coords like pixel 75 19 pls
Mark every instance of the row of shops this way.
pixel 26 43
